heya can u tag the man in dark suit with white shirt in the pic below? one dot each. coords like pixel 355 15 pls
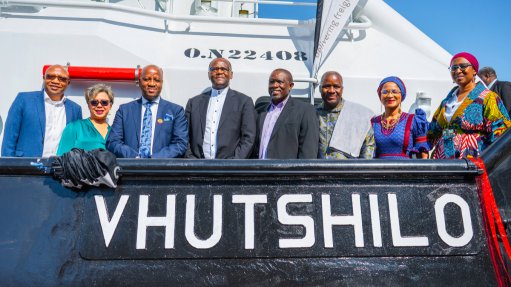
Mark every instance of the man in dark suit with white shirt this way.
pixel 221 120
pixel 286 128
pixel 502 88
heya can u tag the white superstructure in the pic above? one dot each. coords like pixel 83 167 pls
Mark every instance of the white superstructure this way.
pixel 169 33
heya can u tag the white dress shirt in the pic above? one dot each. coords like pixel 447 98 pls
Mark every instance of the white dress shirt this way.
pixel 154 111
pixel 55 113
pixel 215 106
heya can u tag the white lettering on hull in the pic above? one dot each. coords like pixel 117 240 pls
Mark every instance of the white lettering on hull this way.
pixel 108 226
pixel 306 221
pixel 397 239
pixel 190 223
pixel 440 204
pixel 168 221
pixel 249 200
pixel 329 220
pixel 375 220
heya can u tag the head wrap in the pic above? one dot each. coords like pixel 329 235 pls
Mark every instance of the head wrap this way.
pixel 395 80
pixel 469 57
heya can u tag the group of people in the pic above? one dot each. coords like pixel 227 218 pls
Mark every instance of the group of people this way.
pixel 222 123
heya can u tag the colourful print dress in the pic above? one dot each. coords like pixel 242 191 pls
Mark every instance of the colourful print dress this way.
pixel 408 136
pixel 477 122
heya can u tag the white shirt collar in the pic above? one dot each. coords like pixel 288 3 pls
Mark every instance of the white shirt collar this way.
pixel 222 92
pixel 492 83
pixel 155 101
pixel 48 100
pixel 454 96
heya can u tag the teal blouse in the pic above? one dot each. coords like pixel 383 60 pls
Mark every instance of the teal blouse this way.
pixel 81 134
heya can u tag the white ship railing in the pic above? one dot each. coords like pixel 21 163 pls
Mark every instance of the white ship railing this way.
pixel 365 23
pixel 271 2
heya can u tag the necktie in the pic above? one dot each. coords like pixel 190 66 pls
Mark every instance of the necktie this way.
pixel 147 126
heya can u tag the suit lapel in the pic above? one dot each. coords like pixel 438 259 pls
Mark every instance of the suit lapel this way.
pixel 41 113
pixel 495 86
pixel 227 109
pixel 136 111
pixel 69 111
pixel 288 110
pixel 260 124
pixel 158 126
pixel 203 110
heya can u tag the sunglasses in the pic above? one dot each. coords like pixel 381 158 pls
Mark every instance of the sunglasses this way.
pixel 463 67
pixel 95 103
pixel 394 92
pixel 51 77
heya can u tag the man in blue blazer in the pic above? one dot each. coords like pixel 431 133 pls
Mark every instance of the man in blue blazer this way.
pixel 36 119
pixel 149 127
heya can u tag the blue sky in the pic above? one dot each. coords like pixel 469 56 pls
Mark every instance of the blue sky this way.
pixel 482 28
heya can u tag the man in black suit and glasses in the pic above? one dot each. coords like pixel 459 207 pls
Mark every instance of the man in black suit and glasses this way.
pixel 221 120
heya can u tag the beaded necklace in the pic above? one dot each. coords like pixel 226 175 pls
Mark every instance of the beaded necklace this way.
pixel 388 125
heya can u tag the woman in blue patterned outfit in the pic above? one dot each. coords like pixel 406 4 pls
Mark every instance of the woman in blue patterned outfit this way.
pixel 398 135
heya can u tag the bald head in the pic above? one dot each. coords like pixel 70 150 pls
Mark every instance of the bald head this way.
pixel 56 81
pixel 220 73
pixel 57 67
pixel 151 67
pixel 216 61
pixel 330 74
pixel 151 82
pixel 287 74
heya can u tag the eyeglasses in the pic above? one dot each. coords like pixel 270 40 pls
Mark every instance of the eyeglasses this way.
pixel 394 92
pixel 463 67
pixel 219 69
pixel 95 103
pixel 51 77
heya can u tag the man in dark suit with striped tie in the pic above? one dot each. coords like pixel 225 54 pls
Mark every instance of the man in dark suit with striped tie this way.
pixel 149 127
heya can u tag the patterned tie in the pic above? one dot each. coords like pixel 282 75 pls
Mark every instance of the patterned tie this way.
pixel 147 126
